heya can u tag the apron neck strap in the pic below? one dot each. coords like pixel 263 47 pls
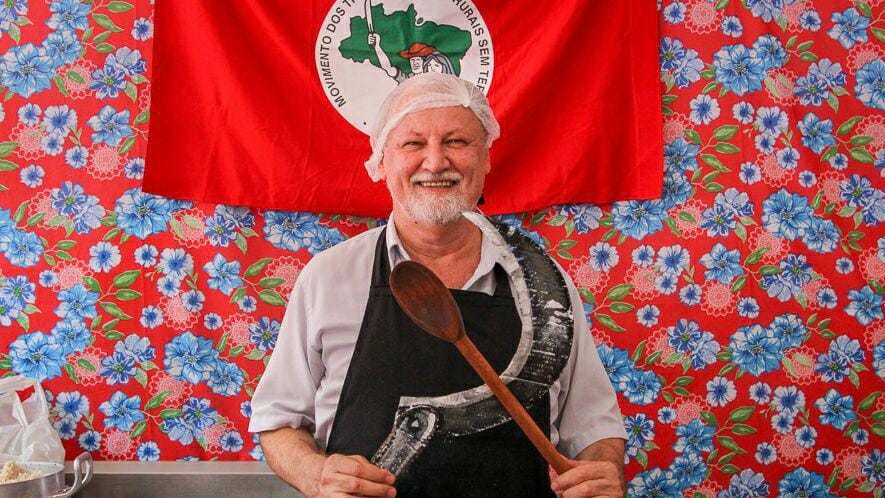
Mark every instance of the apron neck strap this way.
pixel 381 267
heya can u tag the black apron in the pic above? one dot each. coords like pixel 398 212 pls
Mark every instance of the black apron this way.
pixel 394 358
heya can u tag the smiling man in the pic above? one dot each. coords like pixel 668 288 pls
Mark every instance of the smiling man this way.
pixel 347 355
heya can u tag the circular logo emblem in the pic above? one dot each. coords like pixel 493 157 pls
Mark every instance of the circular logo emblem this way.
pixel 367 47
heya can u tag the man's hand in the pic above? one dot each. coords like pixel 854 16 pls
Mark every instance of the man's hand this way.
pixel 590 479
pixel 372 40
pixel 353 475
pixel 293 454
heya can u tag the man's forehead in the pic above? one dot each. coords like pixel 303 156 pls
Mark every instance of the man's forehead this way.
pixel 446 119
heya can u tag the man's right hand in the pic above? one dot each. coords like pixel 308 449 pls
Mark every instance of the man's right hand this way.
pixel 373 39
pixel 353 476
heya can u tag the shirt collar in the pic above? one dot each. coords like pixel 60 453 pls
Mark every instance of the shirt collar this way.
pixel 396 253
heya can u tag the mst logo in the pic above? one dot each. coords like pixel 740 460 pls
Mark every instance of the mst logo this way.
pixel 365 48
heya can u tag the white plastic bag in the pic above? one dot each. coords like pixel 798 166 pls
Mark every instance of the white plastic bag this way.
pixel 26 434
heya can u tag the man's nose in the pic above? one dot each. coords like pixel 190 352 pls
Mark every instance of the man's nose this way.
pixel 436 160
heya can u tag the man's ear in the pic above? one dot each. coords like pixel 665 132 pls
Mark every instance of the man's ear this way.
pixel 381 171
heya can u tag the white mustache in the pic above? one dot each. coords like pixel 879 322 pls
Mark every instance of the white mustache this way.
pixel 451 176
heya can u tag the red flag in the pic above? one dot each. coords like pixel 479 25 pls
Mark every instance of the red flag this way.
pixel 264 103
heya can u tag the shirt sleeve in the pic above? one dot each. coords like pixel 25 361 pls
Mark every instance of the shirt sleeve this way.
pixel 286 393
pixel 588 406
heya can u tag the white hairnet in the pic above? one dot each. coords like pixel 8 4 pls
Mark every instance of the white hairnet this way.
pixel 427 91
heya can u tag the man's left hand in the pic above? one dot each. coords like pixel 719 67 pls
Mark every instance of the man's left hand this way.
pixel 590 479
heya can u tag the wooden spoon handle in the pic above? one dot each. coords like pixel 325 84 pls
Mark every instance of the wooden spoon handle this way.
pixel 512 405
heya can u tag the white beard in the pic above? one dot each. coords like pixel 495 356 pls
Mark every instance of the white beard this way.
pixel 426 207
pixel 436 209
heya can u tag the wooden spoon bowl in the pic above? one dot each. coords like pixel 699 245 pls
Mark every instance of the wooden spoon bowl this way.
pixel 427 301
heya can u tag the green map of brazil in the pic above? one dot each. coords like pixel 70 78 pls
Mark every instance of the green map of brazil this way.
pixel 397 32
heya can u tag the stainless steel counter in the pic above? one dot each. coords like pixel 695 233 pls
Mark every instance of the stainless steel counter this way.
pixel 184 479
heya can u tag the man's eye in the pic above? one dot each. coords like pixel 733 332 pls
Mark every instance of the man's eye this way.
pixel 456 141
pixel 412 144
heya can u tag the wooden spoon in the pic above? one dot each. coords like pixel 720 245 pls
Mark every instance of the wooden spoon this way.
pixel 428 302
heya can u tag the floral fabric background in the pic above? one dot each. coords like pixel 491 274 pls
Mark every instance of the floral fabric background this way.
pixel 739 316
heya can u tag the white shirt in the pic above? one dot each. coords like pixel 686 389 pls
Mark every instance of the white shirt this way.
pixel 303 380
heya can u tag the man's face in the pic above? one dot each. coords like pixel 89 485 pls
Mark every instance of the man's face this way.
pixel 435 163
pixel 417 64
